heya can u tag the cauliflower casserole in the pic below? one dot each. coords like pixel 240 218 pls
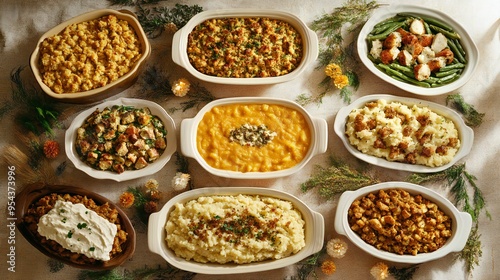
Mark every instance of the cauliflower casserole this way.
pixel 408 134
pixel 235 229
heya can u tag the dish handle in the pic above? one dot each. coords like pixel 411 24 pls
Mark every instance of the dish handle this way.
pixel 176 48
pixel 339 214
pixel 463 231
pixel 154 237
pixel 319 232
pixel 322 135
pixel 314 44
pixel 188 142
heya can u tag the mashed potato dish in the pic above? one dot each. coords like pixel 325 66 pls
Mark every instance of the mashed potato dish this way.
pixel 397 132
pixel 235 229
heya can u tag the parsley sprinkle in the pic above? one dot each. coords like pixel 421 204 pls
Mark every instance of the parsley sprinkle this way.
pixel 92 249
pixel 70 234
pixel 81 225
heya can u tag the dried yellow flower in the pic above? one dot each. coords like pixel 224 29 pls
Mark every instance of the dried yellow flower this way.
pixel 328 267
pixel 170 27
pixel 151 184
pixel 336 248
pixel 341 81
pixel 332 70
pixel 180 87
pixel 380 271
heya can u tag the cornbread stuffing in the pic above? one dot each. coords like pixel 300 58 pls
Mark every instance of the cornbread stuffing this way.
pixel 244 47
pixel 396 221
pixel 89 55
pixel 234 229
pixel 397 132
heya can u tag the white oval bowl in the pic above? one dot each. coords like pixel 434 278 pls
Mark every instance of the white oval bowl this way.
pixel 70 139
pixel 110 89
pixel 314 232
pixel 466 134
pixel 461 223
pixel 388 11
pixel 309 38
pixel 318 128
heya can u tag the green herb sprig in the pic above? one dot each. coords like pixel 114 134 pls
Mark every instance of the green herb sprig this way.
pixel 168 272
pixel 330 29
pixel 306 268
pixel 36 114
pixel 336 178
pixel 403 273
pixel 154 19
pixel 472 117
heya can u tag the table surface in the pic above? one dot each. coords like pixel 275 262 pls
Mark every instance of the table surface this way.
pixel 23 22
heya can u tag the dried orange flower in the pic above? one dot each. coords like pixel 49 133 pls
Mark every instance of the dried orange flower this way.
pixel 328 267
pixel 127 199
pixel 380 271
pixel 180 87
pixel 336 248
pixel 51 149
pixel 341 81
pixel 155 195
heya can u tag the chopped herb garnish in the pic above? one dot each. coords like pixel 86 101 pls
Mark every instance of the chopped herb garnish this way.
pixel 252 135
pixel 92 249
pixel 70 234
pixel 81 225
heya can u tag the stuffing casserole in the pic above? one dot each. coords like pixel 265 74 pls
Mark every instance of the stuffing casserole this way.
pixel 245 47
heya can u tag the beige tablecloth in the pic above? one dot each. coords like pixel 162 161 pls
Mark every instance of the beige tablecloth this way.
pixel 23 21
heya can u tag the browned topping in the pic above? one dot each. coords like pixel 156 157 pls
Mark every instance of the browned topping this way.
pixel 395 221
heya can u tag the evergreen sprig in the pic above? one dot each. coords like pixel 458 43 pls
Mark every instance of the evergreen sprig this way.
pixel 154 19
pixel 471 116
pixel 336 178
pixel 330 28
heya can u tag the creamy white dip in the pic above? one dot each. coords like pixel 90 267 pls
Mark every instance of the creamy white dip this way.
pixel 78 229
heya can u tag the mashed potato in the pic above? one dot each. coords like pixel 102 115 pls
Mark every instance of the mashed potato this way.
pixel 235 229
pixel 409 134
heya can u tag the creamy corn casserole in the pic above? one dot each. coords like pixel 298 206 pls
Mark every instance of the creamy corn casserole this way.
pixel 253 137
pixel 235 229
pixel 396 221
pixel 120 138
pixel 77 228
pixel 89 55
pixel 398 132
pixel 244 47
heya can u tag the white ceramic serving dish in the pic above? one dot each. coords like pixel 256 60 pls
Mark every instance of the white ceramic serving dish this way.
pixel 472 53
pixel 110 89
pixel 314 232
pixel 318 128
pixel 461 223
pixel 466 134
pixel 157 110
pixel 309 37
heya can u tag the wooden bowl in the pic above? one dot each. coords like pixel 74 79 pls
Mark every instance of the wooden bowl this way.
pixel 32 193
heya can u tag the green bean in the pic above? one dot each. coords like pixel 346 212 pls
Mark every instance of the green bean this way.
pixel 446 80
pixel 389 20
pixel 403 69
pixel 446 73
pixel 383 28
pixel 456 52
pixel 385 33
pixel 427 28
pixel 449 34
pixel 457 65
pixel 402 76
pixel 459 46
